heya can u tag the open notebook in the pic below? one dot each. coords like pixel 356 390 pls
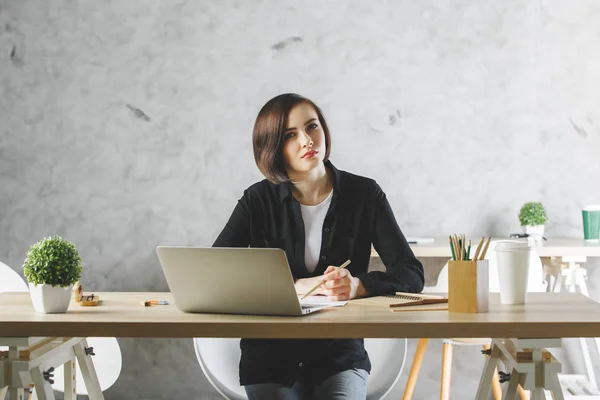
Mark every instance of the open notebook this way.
pixel 402 301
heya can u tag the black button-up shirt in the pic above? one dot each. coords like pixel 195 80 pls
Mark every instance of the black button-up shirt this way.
pixel 268 215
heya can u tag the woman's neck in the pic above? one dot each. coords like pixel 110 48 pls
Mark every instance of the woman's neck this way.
pixel 312 187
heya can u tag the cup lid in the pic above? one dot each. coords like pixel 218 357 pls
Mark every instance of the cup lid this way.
pixel 508 245
pixel 592 207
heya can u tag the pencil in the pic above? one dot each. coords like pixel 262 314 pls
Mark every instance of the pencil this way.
pixel 485 249
pixel 478 250
pixel 469 251
pixel 451 247
pixel 344 265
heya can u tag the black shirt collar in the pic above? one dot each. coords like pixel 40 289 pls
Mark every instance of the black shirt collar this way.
pixel 285 189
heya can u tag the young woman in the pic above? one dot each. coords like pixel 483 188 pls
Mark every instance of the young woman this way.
pixel 321 217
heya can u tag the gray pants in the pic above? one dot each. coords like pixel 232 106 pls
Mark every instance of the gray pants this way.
pixel 347 385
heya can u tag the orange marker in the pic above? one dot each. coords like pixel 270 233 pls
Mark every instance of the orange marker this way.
pixel 149 303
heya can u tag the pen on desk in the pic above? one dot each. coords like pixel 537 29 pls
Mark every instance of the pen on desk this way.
pixel 344 265
pixel 149 303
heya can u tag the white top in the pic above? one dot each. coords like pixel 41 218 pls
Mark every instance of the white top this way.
pixel 313 217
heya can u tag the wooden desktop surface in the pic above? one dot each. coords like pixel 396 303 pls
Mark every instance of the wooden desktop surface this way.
pixel 553 247
pixel 545 315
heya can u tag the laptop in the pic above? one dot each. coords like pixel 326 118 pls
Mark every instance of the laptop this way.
pixel 232 281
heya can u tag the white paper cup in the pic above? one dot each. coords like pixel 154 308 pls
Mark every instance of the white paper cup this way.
pixel 513 271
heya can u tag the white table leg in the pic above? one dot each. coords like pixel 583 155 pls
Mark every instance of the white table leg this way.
pixel 485 383
pixel 535 373
pixel 88 371
pixel 558 283
pixel 70 383
pixel 13 392
pixel 553 384
pixel 584 291
pixel 538 391
pixel 513 385
pixel 575 276
pixel 43 388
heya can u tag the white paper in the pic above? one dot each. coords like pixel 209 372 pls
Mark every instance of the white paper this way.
pixel 321 301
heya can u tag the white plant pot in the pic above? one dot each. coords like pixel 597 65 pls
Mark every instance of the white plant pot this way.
pixel 50 299
pixel 534 229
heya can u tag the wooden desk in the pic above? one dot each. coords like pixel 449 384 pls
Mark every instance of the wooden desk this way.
pixel 553 247
pixel 542 322
pixel 546 315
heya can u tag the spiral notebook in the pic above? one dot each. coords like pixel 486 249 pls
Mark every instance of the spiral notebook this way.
pixel 402 301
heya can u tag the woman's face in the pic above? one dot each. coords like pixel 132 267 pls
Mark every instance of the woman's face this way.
pixel 304 139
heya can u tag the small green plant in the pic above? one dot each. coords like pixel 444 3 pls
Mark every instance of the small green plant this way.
pixel 53 261
pixel 532 213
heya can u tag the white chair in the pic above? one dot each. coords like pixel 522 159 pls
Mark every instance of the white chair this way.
pixel 535 283
pixel 220 358
pixel 10 281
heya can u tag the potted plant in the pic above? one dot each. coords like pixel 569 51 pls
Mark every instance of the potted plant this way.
pixel 533 217
pixel 52 267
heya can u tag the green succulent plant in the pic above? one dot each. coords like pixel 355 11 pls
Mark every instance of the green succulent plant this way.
pixel 53 261
pixel 532 213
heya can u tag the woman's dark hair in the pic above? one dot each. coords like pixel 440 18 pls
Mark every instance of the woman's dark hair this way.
pixel 268 136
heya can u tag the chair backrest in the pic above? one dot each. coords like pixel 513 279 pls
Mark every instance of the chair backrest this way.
pixel 387 362
pixel 107 362
pixel 535 281
pixel 219 359
pixel 10 281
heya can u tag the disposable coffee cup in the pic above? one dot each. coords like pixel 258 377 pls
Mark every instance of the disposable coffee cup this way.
pixel 513 270
pixel 591 223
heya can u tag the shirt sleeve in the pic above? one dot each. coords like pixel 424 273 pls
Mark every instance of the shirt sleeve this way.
pixel 404 273
pixel 237 230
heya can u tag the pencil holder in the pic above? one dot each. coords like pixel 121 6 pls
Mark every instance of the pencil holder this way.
pixel 468 286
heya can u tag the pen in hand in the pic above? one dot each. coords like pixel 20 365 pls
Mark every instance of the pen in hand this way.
pixel 344 265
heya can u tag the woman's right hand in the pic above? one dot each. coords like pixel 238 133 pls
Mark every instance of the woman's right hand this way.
pixel 305 284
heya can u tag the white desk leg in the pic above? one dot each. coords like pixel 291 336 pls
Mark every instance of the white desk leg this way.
pixel 70 382
pixel 513 385
pixel 485 383
pixel 575 277
pixel 584 347
pixel 553 384
pixel 584 291
pixel 14 393
pixel 88 371
pixel 536 374
pixel 43 389
pixel 558 283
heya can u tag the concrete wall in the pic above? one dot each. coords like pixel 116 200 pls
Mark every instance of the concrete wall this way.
pixel 124 125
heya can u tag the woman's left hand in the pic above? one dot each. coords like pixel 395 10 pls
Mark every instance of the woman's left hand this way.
pixel 339 285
